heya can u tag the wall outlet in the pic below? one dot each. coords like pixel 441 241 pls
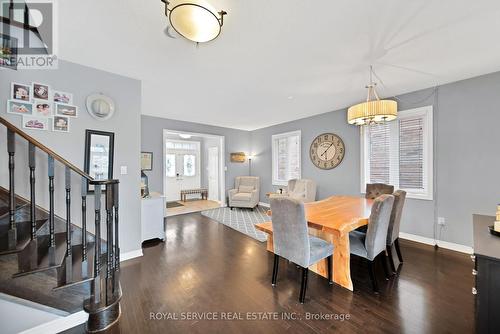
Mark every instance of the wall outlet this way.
pixel 441 221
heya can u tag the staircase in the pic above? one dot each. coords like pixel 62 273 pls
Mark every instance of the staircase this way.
pixel 47 259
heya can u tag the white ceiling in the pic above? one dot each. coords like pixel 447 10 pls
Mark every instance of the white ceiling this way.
pixel 281 60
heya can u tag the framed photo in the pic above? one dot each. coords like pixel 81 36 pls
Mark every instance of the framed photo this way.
pixel 35 123
pixel 60 123
pixel 66 110
pixel 20 92
pixel 8 52
pixel 63 97
pixel 42 108
pixel 99 150
pixel 41 91
pixel 19 107
pixel 146 160
pixel 238 157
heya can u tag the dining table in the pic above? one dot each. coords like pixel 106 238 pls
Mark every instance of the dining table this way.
pixel 331 219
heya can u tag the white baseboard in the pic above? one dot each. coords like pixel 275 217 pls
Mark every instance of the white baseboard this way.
pixel 266 205
pixel 59 325
pixel 440 243
pixel 130 255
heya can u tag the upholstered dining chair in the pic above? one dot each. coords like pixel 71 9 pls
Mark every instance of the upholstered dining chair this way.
pixel 374 190
pixel 293 242
pixel 394 223
pixel 371 244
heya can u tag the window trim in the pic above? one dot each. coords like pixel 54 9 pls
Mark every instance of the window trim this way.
pixel 275 181
pixel 426 194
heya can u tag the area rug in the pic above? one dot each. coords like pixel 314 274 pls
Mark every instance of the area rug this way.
pixel 241 220
pixel 173 205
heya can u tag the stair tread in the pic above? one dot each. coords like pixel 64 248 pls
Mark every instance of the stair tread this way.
pixel 23 235
pixel 77 266
pixel 44 262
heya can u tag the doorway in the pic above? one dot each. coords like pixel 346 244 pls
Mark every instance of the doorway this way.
pixel 193 161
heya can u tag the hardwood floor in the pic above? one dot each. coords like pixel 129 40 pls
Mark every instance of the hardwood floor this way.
pixel 208 267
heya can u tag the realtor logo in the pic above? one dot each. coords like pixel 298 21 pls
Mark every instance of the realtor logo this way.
pixel 27 34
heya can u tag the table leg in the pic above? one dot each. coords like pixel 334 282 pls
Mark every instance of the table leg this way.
pixel 342 260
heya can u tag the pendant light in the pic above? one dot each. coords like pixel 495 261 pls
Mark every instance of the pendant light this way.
pixel 374 110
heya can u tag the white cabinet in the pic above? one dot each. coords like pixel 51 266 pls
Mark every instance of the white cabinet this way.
pixel 152 218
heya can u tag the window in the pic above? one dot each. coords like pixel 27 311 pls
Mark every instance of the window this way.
pixel 286 157
pixel 170 165
pixel 189 168
pixel 400 153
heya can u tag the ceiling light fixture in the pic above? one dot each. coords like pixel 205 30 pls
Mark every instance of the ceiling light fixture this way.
pixel 374 110
pixel 195 20
pixel 184 136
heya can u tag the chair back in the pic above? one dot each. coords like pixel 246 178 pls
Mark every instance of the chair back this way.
pixel 376 234
pixel 302 189
pixel 290 233
pixel 374 190
pixel 397 211
pixel 249 181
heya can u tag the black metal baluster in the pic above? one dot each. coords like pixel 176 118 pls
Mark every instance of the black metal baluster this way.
pixel 69 255
pixel 96 284
pixel 12 233
pixel 116 276
pixel 85 266
pixel 52 241
pixel 33 245
pixel 109 229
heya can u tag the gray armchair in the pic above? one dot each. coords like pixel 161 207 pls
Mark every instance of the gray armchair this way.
pixel 374 190
pixel 303 190
pixel 245 193
pixel 394 223
pixel 293 242
pixel 371 244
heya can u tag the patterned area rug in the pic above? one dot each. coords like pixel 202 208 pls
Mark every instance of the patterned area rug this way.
pixel 241 220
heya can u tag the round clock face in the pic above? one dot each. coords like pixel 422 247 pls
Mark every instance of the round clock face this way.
pixel 327 151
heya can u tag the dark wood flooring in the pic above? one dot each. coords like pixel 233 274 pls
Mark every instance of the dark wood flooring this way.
pixel 205 266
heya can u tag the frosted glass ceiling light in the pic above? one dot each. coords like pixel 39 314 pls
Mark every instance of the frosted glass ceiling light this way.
pixel 195 20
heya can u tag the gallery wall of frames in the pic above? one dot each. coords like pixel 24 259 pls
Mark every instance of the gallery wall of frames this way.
pixel 42 107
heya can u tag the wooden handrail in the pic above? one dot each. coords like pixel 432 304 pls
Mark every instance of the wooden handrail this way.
pixel 44 148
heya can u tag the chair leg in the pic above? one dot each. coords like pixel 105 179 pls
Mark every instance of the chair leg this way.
pixel 391 260
pixel 398 250
pixel 275 269
pixel 371 271
pixel 330 269
pixel 383 258
pixel 303 286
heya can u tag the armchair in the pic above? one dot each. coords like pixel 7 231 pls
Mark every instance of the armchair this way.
pixel 245 193
pixel 303 190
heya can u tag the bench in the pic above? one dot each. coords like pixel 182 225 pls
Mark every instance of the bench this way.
pixel 202 191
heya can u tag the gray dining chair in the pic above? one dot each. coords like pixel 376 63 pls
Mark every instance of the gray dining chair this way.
pixel 394 223
pixel 371 244
pixel 293 242
pixel 374 190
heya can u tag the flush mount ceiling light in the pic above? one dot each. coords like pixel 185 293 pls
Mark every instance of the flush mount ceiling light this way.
pixel 184 136
pixel 374 110
pixel 195 20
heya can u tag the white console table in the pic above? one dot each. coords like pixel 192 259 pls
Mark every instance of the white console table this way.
pixel 152 224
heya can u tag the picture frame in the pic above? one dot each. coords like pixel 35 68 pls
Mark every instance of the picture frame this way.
pixel 36 123
pixel 99 154
pixel 238 157
pixel 67 110
pixel 147 161
pixel 20 92
pixel 19 107
pixel 40 91
pixel 42 108
pixel 8 52
pixel 62 97
pixel 60 123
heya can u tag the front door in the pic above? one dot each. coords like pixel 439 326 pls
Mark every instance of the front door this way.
pixel 182 167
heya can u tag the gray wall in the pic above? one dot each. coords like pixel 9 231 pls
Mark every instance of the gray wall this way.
pixel 152 141
pixel 82 81
pixel 466 118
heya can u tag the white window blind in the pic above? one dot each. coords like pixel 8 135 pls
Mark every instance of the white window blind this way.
pixel 286 157
pixel 400 153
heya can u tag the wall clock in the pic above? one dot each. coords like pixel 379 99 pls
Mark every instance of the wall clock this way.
pixel 327 151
